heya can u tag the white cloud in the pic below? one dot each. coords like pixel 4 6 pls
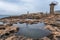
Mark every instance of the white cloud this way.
pixel 25 5
pixel 8 6
pixel 11 9
pixel 28 0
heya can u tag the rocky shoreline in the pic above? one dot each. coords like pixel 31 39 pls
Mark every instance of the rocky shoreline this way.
pixel 7 32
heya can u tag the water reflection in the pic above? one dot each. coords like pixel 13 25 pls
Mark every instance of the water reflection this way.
pixel 27 25
pixel 1 23
pixel 33 31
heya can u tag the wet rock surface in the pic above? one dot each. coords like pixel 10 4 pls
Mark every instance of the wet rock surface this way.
pixel 6 31
pixel 52 24
pixel 55 32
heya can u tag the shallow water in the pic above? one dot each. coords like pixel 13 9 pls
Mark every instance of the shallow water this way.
pixel 2 16
pixel 1 23
pixel 32 31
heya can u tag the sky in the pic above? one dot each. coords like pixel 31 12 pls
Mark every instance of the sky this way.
pixel 17 7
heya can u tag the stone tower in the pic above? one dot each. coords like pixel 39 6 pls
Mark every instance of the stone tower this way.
pixel 27 12
pixel 52 7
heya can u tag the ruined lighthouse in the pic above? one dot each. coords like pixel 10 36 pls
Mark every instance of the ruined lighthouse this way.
pixel 52 5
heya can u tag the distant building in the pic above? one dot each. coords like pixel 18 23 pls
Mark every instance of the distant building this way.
pixel 57 12
pixel 27 12
pixel 52 7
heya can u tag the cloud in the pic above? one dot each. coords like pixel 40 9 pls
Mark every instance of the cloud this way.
pixel 11 7
pixel 8 6
pixel 17 7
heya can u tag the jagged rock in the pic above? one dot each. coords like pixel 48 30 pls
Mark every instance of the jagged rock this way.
pixel 45 38
pixel 6 31
pixel 55 31
pixel 49 19
pixel 12 38
pixel 49 27
pixel 9 30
